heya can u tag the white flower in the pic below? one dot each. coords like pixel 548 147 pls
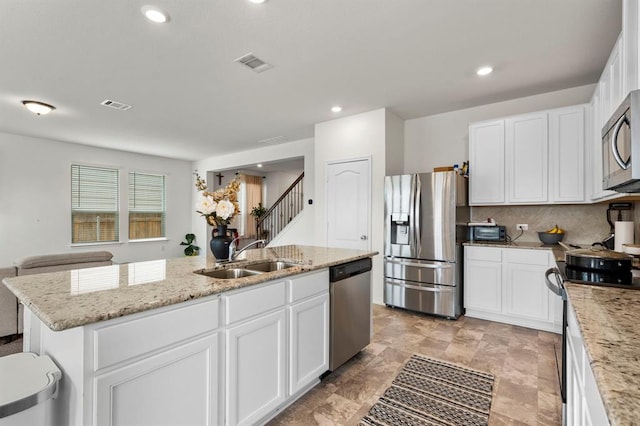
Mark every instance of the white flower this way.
pixel 206 205
pixel 224 209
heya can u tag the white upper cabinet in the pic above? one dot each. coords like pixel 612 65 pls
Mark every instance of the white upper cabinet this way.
pixel 535 158
pixel 526 146
pixel 630 46
pixel 567 154
pixel 486 157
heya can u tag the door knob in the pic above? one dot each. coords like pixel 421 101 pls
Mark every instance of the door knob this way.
pixel 363 237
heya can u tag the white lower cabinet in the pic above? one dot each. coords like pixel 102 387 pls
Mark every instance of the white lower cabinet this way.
pixel 584 403
pixel 177 386
pixel 483 279
pixel 507 285
pixel 308 342
pixel 256 362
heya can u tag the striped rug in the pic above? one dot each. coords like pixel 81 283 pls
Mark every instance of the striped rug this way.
pixel 432 392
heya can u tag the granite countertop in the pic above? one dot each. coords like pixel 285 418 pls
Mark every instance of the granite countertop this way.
pixel 608 319
pixel 69 299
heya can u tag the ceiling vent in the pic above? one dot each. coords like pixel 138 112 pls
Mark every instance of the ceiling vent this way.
pixel 115 105
pixel 274 141
pixel 252 61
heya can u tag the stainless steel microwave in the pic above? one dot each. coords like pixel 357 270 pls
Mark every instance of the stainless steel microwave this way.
pixel 621 147
pixel 487 233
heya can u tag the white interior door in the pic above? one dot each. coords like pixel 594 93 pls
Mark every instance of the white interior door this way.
pixel 349 204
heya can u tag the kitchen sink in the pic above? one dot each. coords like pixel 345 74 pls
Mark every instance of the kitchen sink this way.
pixel 228 274
pixel 271 266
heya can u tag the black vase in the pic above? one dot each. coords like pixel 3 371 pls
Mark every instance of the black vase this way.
pixel 220 242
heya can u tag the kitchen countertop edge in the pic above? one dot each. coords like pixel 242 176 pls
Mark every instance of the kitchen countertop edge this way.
pixel 47 295
pixel 606 321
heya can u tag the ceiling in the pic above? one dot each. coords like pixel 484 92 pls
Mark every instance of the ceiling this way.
pixel 191 100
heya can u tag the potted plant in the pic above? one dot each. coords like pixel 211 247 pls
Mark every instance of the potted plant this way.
pixel 190 249
pixel 257 212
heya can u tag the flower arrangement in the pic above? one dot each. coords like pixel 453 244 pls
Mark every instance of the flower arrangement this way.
pixel 220 206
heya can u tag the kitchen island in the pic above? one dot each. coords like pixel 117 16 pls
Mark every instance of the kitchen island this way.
pixel 606 348
pixel 155 342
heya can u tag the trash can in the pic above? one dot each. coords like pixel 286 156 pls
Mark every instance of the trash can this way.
pixel 28 381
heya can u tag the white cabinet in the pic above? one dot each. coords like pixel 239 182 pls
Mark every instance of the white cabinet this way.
pixel 256 355
pixel 526 293
pixel 483 279
pixel 176 386
pixel 584 403
pixel 507 285
pixel 308 329
pixel 630 46
pixel 275 331
pixel 486 157
pixel 567 154
pixel 541 162
pixel 526 147
pixel 309 342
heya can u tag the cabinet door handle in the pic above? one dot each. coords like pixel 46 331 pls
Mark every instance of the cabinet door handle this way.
pixel 363 237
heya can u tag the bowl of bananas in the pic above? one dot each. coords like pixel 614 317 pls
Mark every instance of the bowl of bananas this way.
pixel 552 236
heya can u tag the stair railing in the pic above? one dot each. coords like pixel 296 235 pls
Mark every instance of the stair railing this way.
pixel 290 203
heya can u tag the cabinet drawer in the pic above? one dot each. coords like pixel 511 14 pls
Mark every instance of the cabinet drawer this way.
pixel 303 286
pixel 528 256
pixel 131 338
pixel 489 254
pixel 254 301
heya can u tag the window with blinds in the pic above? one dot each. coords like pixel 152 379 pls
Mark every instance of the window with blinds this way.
pixel 94 204
pixel 146 206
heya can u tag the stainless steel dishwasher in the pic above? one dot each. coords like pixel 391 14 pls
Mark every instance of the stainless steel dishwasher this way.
pixel 350 289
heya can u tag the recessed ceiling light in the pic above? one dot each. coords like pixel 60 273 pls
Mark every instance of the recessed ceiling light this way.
pixel 39 108
pixel 336 108
pixel 257 1
pixel 258 165
pixel 484 71
pixel 155 14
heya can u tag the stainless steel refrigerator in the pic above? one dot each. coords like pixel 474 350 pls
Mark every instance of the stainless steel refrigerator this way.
pixel 426 218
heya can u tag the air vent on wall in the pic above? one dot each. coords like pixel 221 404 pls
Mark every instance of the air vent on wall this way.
pixel 115 105
pixel 274 140
pixel 252 61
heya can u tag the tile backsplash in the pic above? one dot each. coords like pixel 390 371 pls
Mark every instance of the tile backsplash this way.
pixel 584 224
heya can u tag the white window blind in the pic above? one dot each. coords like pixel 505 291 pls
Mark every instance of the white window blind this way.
pixel 146 205
pixel 94 204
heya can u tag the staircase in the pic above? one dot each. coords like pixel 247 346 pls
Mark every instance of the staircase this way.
pixel 290 203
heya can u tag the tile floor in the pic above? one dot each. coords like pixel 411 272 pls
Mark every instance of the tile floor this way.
pixel 526 390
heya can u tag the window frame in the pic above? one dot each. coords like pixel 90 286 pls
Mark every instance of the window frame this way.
pixel 116 212
pixel 163 225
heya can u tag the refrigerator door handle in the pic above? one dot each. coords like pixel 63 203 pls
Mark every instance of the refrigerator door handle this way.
pixel 416 189
pixel 440 265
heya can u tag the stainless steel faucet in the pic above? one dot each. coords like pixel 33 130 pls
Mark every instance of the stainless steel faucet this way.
pixel 232 247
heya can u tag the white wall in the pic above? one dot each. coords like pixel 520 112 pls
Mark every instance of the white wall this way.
pixel 301 148
pixel 275 183
pixel 394 152
pixel 357 136
pixel 442 139
pixel 35 198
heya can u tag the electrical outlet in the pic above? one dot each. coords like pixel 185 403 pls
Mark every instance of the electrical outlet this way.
pixel 522 226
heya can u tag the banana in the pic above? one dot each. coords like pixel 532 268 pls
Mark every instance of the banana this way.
pixel 555 230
